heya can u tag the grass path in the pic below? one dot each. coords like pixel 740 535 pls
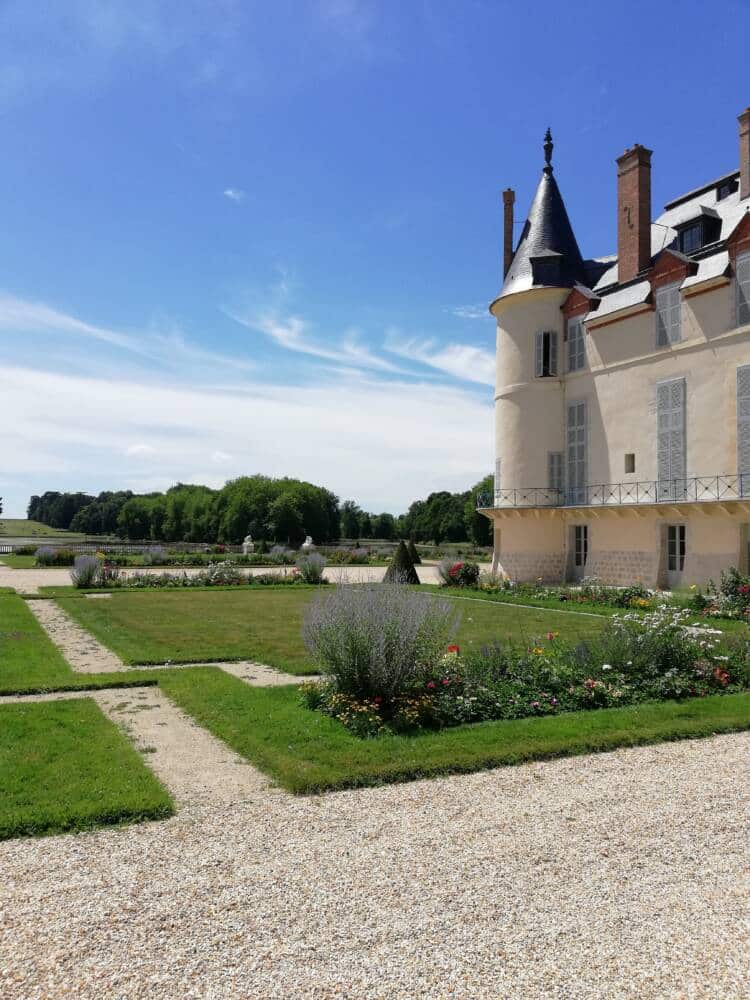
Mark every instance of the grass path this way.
pixel 64 766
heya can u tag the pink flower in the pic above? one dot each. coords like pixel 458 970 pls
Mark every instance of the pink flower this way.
pixel 445 682
pixel 431 684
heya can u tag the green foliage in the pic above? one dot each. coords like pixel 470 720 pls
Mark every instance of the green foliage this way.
pixel 458 573
pixel 373 641
pixel 46 555
pixel 57 509
pixel 413 554
pixel 478 527
pixel 401 568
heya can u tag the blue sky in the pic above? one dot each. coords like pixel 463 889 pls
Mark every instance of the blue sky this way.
pixel 247 237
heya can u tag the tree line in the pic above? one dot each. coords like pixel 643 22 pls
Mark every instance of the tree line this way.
pixel 281 511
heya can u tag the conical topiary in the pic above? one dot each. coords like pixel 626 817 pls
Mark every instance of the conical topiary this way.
pixel 414 555
pixel 401 568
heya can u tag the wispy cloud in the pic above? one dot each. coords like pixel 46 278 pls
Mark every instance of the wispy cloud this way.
pixel 163 344
pixel 235 194
pixel 464 361
pixel 476 311
pixel 293 333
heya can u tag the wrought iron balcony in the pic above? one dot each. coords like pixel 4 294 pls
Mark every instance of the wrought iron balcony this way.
pixel 692 490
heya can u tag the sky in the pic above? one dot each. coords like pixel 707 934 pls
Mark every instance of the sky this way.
pixel 245 237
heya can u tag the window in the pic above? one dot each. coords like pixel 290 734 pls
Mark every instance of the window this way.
pixel 576 346
pixel 676 548
pixel 742 279
pixel 546 355
pixel 668 315
pixel 576 449
pixel 497 479
pixel 555 472
pixel 629 463
pixel 725 189
pixel 580 545
pixel 691 238
pixel 670 439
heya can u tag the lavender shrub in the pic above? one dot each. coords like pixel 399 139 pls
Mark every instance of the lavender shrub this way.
pixel 373 641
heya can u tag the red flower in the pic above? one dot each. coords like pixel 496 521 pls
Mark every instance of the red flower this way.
pixel 430 684
pixel 453 649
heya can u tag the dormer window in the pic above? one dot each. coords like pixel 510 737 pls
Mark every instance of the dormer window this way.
pixel 545 365
pixel 690 239
pixel 725 189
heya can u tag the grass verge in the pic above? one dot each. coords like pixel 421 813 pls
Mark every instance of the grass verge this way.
pixel 64 766
pixel 305 751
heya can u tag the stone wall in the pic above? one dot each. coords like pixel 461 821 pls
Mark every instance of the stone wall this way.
pixel 624 568
pixel 524 567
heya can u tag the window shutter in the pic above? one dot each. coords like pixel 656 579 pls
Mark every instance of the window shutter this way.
pixel 662 336
pixel 539 365
pixel 576 448
pixel 670 438
pixel 675 314
pixel 743 289
pixel 552 353
pixel 497 477
pixel 743 427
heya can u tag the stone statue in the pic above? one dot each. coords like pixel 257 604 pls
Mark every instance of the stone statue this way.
pixel 248 545
pixel 308 543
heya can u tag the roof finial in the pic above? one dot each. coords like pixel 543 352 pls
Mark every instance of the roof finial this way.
pixel 548 147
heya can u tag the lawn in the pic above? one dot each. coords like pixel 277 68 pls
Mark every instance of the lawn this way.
pixel 64 766
pixel 30 661
pixel 12 561
pixel 17 527
pixel 306 751
pixel 265 625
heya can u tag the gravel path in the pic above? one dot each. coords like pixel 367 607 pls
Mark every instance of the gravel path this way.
pixel 28 581
pixel 84 653
pixel 622 875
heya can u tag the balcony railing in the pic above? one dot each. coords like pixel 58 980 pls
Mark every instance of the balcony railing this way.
pixel 694 489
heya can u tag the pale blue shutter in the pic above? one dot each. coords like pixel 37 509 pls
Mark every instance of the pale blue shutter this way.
pixel 670 439
pixel 555 473
pixel 662 334
pixel 576 449
pixel 539 364
pixel 742 277
pixel 743 428
pixel 675 314
pixel 497 480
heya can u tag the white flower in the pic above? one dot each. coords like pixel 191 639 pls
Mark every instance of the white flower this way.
pixel 606 666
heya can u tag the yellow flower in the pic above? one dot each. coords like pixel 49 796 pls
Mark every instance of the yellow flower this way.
pixel 538 650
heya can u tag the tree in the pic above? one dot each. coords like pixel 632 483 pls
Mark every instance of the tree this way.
pixel 350 519
pixel 401 568
pixel 285 520
pixel 384 526
pixel 478 526
pixel 365 526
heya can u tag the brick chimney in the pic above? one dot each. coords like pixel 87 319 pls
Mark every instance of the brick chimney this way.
pixel 633 211
pixel 509 197
pixel 744 120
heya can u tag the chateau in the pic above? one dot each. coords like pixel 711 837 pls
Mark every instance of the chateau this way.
pixel 622 402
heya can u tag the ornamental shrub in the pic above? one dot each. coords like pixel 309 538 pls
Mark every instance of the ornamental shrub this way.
pixel 401 568
pixel 311 567
pixel 25 550
pixel 414 555
pixel 86 572
pixel 374 640
pixel 455 573
pixel 48 556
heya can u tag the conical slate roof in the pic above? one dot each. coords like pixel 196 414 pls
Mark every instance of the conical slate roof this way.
pixel 547 253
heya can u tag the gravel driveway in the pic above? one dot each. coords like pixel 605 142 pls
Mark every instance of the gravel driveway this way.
pixel 622 875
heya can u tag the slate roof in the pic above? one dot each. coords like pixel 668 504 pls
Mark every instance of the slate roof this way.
pixel 548 235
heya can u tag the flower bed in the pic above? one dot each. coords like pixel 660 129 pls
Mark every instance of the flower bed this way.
pixel 661 656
